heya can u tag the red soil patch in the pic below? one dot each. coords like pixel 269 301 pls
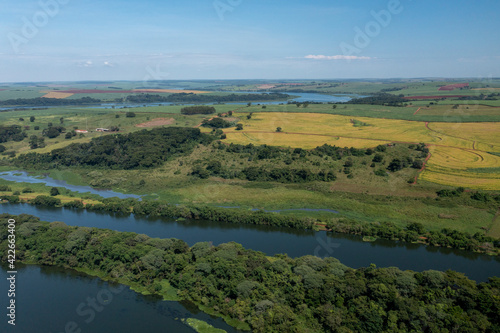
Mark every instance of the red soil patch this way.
pixel 157 122
pixel 95 91
pixel 416 111
pixel 453 86
pixel 433 97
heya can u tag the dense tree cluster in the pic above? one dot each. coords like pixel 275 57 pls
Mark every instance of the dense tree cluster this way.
pixel 11 133
pixel 282 175
pixel 217 123
pixel 198 109
pixel 380 99
pixel 142 149
pixel 278 294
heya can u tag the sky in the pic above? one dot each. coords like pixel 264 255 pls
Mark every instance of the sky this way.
pixel 70 40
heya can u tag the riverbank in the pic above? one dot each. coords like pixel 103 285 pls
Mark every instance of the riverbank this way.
pixel 249 287
pixel 299 219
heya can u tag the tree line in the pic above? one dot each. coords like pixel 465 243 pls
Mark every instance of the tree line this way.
pixel 412 232
pixel 42 101
pixel 278 294
pixel 202 98
pixel 380 99
pixel 198 109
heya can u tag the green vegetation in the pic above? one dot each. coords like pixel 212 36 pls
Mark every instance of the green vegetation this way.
pixel 39 101
pixel 202 327
pixel 199 109
pixel 380 99
pixel 11 133
pixel 203 98
pixel 277 294
pixel 141 149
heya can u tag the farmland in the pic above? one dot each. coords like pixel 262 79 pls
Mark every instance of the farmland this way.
pixel 461 136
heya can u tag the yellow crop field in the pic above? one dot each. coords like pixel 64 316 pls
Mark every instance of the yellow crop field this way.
pixel 306 141
pixel 451 166
pixel 456 147
pixel 487 134
pixel 377 130
pixel 57 94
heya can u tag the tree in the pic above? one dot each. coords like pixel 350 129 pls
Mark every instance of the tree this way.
pixel 334 106
pixel 54 191
pixel 68 135
pixel 32 118
pixel 130 115
pixel 33 142
pixel 239 127
pixel 21 119
pixel 395 165
pixel 278 129
pixel 230 113
pixel 377 158
pixel 61 120
pixel 52 132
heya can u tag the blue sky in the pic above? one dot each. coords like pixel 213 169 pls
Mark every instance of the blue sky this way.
pixel 67 40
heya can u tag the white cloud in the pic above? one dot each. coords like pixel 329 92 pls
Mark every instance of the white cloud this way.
pixel 336 57
pixel 87 63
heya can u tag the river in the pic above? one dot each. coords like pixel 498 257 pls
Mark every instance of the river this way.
pixel 349 249
pixel 302 97
pixel 24 177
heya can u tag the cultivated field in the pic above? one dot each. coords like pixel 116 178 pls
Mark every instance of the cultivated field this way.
pixel 57 94
pixel 459 150
pixel 463 167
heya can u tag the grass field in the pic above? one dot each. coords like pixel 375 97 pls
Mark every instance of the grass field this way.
pixel 315 127
pixel 435 113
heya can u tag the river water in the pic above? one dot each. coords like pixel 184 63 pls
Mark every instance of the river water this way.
pixel 349 249
pixel 52 299
pixel 24 177
pixel 302 97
